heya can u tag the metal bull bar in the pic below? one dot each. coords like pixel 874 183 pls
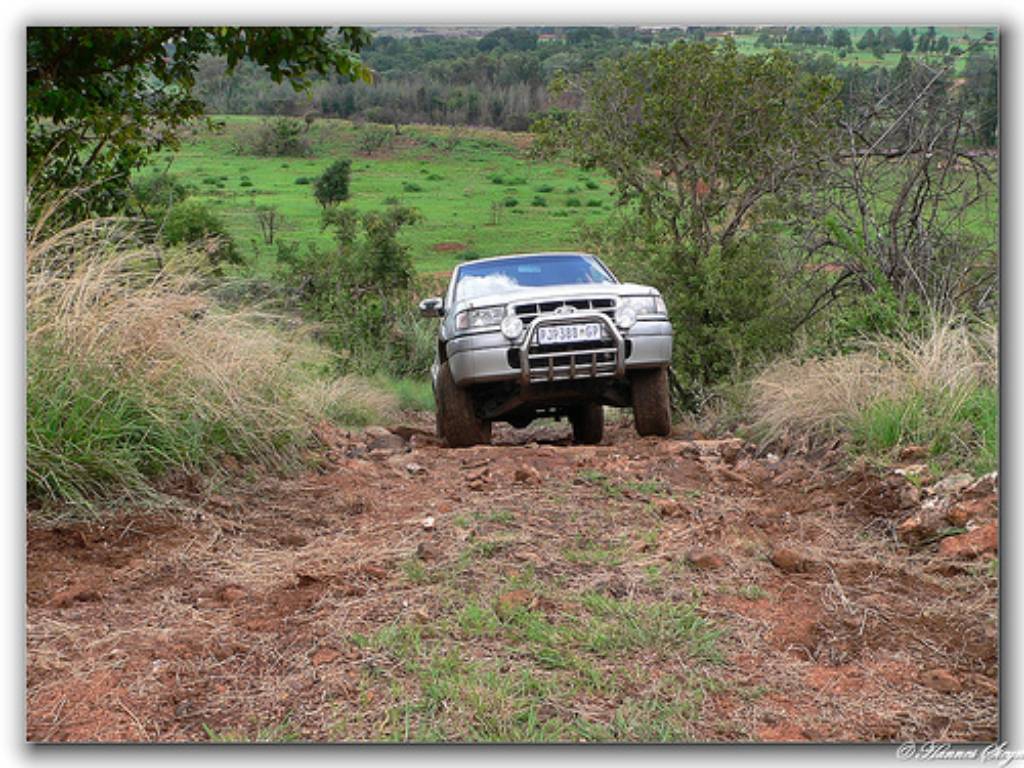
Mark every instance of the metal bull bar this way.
pixel 530 372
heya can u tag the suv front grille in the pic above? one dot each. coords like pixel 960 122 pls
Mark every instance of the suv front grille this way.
pixel 529 310
pixel 572 364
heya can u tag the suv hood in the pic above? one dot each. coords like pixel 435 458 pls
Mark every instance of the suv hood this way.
pixel 553 292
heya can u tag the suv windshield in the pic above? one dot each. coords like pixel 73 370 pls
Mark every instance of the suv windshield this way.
pixel 528 272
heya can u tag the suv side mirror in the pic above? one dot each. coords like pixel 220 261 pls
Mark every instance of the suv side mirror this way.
pixel 432 307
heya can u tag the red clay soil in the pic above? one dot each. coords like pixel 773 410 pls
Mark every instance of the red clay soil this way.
pixel 236 611
pixel 444 247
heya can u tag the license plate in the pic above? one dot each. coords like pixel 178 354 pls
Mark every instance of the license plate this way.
pixel 566 334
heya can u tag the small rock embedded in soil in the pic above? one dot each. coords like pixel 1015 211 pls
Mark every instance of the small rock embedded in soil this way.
pixel 615 586
pixel 960 514
pixel 914 453
pixel 527 474
pixel 980 541
pixel 324 656
pixel 291 540
pixel 670 507
pixel 941 680
pixel 385 442
pixel 703 560
pixel 789 561
pixel 75 594
pixel 374 571
pixel 428 551
pixel 923 525
pixel 952 485
pixel 428 523
pixel 232 594
pixel 510 602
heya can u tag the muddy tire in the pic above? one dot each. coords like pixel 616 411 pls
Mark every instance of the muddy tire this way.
pixel 587 424
pixel 651 410
pixel 457 423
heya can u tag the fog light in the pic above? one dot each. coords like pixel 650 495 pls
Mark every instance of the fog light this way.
pixel 511 326
pixel 625 317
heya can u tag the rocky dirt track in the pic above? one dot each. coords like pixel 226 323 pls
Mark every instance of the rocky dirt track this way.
pixel 642 589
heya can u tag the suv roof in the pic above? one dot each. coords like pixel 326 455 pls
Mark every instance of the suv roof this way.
pixel 528 255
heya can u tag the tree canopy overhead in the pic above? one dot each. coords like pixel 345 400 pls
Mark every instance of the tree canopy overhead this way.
pixel 101 99
pixel 697 133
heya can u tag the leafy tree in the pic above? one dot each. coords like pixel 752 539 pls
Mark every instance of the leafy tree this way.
pixel 905 40
pixel 697 133
pixel 867 40
pixel 332 186
pixel 981 96
pixel 841 38
pixel 101 99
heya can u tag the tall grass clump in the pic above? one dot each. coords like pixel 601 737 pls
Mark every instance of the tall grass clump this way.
pixel 135 371
pixel 937 389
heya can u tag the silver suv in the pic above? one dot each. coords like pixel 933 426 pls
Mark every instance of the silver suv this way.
pixel 547 334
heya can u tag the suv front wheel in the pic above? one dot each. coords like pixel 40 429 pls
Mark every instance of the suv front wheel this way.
pixel 651 410
pixel 457 423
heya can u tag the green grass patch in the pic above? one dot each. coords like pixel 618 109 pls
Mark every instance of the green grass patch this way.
pixel 454 198
pixel 958 429
pixel 268 734
pixel 412 394
pixel 473 676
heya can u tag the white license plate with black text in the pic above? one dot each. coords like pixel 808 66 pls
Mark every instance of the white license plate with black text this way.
pixel 566 334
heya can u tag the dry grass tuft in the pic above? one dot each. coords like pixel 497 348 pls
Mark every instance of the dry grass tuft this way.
pixel 135 370
pixel 941 370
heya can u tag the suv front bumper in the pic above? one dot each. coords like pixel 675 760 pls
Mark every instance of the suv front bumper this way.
pixel 485 357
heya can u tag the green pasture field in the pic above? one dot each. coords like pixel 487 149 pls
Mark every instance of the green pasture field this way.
pixel 477 190
pixel 958 36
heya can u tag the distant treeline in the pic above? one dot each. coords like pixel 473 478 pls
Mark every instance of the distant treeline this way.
pixel 501 79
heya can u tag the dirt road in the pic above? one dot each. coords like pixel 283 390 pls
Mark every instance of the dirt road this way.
pixel 642 589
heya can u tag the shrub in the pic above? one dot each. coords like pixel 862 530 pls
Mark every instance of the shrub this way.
pixel 280 137
pixel 155 193
pixel 594 203
pixel 374 138
pixel 362 293
pixel 132 373
pixel 410 186
pixel 303 180
pixel 591 184
pixel 332 186
pixel 192 223
pixel 539 202
pixel 545 188
pixel 435 177
pixel 572 202
pixel 510 202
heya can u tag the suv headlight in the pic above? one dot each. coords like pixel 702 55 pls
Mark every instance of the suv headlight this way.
pixel 645 305
pixel 479 318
